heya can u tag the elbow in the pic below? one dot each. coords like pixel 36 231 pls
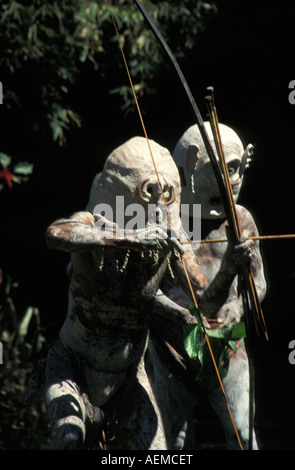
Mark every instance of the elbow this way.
pixel 53 236
pixel 50 237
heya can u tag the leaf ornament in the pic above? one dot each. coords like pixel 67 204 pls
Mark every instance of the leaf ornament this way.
pixel 222 341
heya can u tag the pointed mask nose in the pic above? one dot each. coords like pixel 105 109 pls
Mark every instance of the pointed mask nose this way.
pixel 149 191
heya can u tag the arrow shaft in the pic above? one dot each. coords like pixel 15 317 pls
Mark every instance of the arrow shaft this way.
pixel 256 237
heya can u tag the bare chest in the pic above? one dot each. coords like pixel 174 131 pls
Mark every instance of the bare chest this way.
pixel 209 255
pixel 116 289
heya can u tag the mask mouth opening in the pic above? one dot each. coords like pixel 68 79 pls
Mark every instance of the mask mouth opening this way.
pixel 215 200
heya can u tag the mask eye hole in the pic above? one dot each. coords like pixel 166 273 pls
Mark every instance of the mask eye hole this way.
pixel 166 188
pixel 149 189
pixel 233 167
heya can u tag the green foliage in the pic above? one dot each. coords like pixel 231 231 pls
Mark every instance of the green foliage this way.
pixel 46 45
pixel 221 341
pixel 24 423
pixel 17 173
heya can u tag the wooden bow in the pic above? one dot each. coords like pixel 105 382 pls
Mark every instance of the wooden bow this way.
pixel 246 275
pixel 221 173
pixel 248 286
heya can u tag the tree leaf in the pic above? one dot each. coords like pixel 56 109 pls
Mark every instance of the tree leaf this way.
pixel 223 363
pixel 23 168
pixel 238 331
pixel 221 333
pixel 25 322
pixel 5 160
pixel 233 345
pixel 191 343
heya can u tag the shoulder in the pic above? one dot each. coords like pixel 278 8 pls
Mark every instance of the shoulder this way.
pixel 246 219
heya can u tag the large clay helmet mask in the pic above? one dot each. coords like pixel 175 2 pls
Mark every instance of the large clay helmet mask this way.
pixel 199 185
pixel 129 172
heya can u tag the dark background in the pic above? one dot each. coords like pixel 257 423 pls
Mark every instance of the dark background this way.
pixel 247 54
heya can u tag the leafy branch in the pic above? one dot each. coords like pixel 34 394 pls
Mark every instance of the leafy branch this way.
pixel 47 46
pixel 222 341
pixel 24 424
pixel 17 173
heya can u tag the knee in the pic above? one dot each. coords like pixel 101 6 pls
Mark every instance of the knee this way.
pixel 67 415
pixel 68 434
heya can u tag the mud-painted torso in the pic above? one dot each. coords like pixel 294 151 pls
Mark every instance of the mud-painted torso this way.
pixel 110 305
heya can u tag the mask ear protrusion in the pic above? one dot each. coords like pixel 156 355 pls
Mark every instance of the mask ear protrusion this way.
pixel 246 159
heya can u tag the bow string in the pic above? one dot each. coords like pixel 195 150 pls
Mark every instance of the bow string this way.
pixel 221 175
pixel 251 304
